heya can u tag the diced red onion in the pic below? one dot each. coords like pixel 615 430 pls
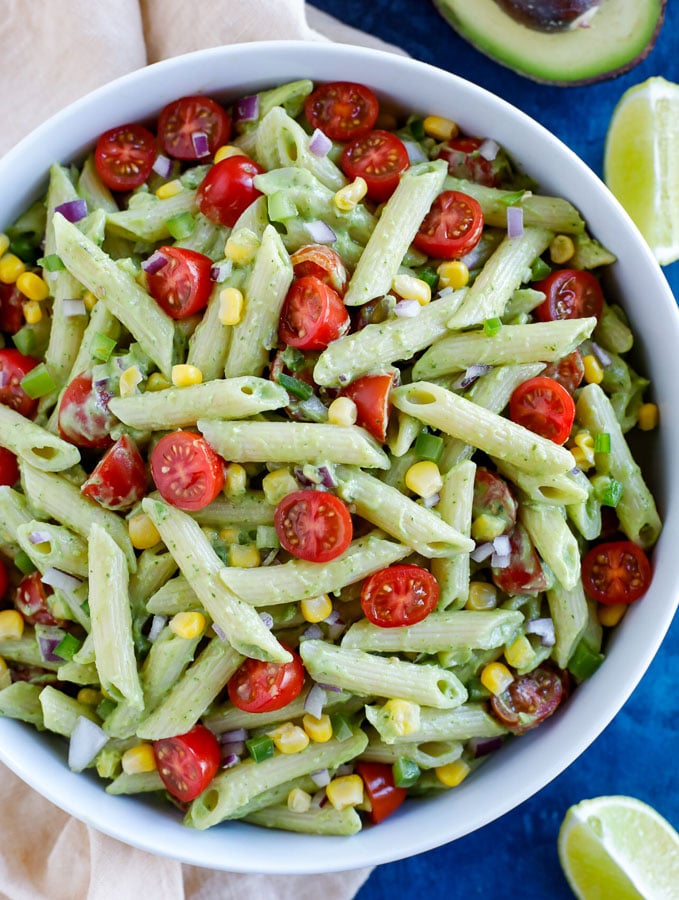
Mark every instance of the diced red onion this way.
pixel 445 292
pixel 407 309
pixel 345 769
pixel 329 687
pixel 312 633
pixel 315 701
pixel 246 109
pixel 39 537
pixel 336 630
pixel 270 557
pixel 49 637
pixel 499 561
pixel 514 222
pixel 162 165
pixel 319 799
pixel 327 477
pixel 489 149
pixel 229 760
pixel 87 739
pixel 415 153
pixel 235 735
pixel 482 746
pixel 267 618
pixel 221 634
pixel 62 581
pixel 303 478
pixel 601 354
pixel 154 263
pixel 157 625
pixel 314 407
pixel 430 501
pixel 201 144
pixel 502 545
pixel 221 271
pixel 333 618
pixel 342 378
pixel 481 552
pixel 319 144
pixel 73 210
pixel 320 232
pixel 544 628
pixel 470 375
pixel 321 778
pixel 73 307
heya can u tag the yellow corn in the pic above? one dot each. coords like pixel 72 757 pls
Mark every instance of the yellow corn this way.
pixel 424 478
pixel 90 300
pixel 594 374
pixel 319 730
pixel 439 128
pixel 453 773
pixel 89 696
pixel 496 677
pixel 33 286
pixel 188 624
pixel 4 243
pixel 611 615
pixel 482 595
pixel 143 533
pixel 241 246
pixel 584 440
pixel 157 382
pixel 235 480
pixel 184 375
pixel 299 801
pixel 278 484
pixel 230 535
pixel 5 677
pixel 138 759
pixel 244 556
pixel 404 715
pixel 486 527
pixel 32 312
pixel 289 738
pixel 342 411
pixel 231 304
pixel 129 381
pixel 649 415
pixel 453 273
pixel 411 288
pixel 227 150
pixel 561 249
pixel 520 652
pixel 10 268
pixel 11 624
pixel 316 609
pixel 349 196
pixel 169 189
pixel 345 791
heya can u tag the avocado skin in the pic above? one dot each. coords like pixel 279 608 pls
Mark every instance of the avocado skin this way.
pixel 514 45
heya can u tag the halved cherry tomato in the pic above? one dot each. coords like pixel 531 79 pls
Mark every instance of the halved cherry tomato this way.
pixel 84 417
pixel 385 797
pixel 13 367
pixel 568 371
pixel 452 227
pixel 186 470
pixel 343 110
pixel 323 262
pixel 569 294
pixel 493 497
pixel 182 286
pixel 119 479
pixel 4 579
pixel 524 572
pixel 9 468
pixel 313 315
pixel 11 308
pixel 30 599
pixel 529 700
pixel 379 157
pixel 258 686
pixel 370 393
pixel 313 525
pixel 182 119
pixel 187 763
pixel 399 595
pixel 616 572
pixel 124 157
pixel 465 161
pixel 543 406
pixel 228 189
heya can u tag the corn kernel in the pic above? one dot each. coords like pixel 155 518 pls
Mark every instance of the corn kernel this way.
pixel 520 652
pixel 349 196
pixel 231 304
pixel 235 480
pixel 496 677
pixel 316 609
pixel 580 458
pixel 453 773
pixel 584 440
pixel 345 791
pixel 169 189
pixel 648 416
pixel 611 615
pixel 143 533
pixel 319 730
pixel 138 759
pixel 594 374
pixel 90 300
pixel 241 246
pixel 411 288
pixel 342 411
pixel 561 249
pixel 33 286
pixel 11 624
pixel 453 273
pixel 289 738
pixel 157 382
pixel 5 675
pixel 299 801
pixel 188 624
pixel 244 556
pixel 424 478
pixel 278 484
pixel 227 150
pixel 486 527
pixel 439 128
pixel 129 381
pixel 184 375
pixel 32 312
pixel 10 268
pixel 404 715
pixel 482 595
pixel 4 243
pixel 230 535
pixel 89 696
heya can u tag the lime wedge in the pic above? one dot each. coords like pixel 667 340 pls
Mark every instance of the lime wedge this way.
pixel 641 162
pixel 619 847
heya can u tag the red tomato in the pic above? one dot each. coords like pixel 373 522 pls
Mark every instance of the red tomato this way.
pixel 379 157
pixel 30 599
pixel 13 367
pixel 4 579
pixel 543 406
pixel 343 110
pixel 323 262
pixel 187 763
pixel 465 161
pixel 228 189
pixel 493 497
pixel 186 470
pixel 568 371
pixel 124 157
pixel 616 572
pixel 524 572
pixel 9 468
pixel 399 595
pixel 259 686
pixel 569 294
pixel 529 700
pixel 385 797
pixel 84 417
pixel 182 286
pixel 182 119
pixel 452 227
pixel 11 308
pixel 118 481
pixel 370 393
pixel 313 525
pixel 313 315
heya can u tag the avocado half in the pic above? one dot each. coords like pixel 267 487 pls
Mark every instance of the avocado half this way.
pixel 618 36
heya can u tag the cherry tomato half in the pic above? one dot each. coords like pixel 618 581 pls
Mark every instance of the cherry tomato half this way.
pixel 118 481
pixel 124 157
pixel 228 189
pixel 30 599
pixel 180 121
pixel 343 110
pixel 313 315
pixel 543 406
pixel 385 797
pixel 84 417
pixel 569 294
pixel 186 470
pixel 399 595
pixel 616 572
pixel 11 308
pixel 259 686
pixel 323 262
pixel 182 286
pixel 493 497
pixel 313 525
pixel 187 763
pixel 568 371
pixel 465 161
pixel 379 157
pixel 529 700
pixel 370 393
pixel 523 572
pixel 452 227
pixel 9 467
pixel 13 367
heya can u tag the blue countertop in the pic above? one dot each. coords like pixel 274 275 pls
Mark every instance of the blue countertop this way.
pixel 633 755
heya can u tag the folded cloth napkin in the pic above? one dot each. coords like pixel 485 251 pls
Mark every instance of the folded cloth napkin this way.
pixel 53 53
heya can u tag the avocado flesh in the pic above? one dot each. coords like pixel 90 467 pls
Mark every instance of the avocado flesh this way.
pixel 620 35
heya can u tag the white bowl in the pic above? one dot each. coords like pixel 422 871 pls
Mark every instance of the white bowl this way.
pixel 528 764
